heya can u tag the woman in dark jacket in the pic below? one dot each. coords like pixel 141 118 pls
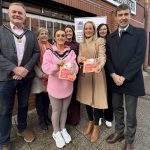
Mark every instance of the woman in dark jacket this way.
pixel 40 82
pixel 106 115
pixel 74 107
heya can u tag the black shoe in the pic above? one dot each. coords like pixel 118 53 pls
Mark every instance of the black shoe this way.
pixel 43 125
pixel 114 137
pixel 128 146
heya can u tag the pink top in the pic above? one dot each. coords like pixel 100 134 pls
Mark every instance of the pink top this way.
pixel 56 87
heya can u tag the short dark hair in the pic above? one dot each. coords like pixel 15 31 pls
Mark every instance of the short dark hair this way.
pixel 122 7
pixel 98 28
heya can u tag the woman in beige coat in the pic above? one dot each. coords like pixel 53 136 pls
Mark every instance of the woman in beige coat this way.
pixel 92 86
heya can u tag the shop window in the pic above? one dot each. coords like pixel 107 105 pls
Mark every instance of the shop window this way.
pixel 5 18
pixel 34 24
pixel 50 31
pixel 63 26
pixel 43 23
pixel 27 22
pixel 56 26
pixel 34 21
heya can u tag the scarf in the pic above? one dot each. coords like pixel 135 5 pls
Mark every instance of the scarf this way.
pixel 42 51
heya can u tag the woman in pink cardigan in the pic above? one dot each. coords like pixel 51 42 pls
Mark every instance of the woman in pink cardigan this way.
pixel 59 90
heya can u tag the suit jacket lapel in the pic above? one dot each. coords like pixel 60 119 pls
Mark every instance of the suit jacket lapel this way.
pixel 12 42
pixel 28 37
pixel 116 36
pixel 11 38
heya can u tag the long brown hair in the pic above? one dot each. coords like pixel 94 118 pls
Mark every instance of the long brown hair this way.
pixel 70 27
pixel 98 28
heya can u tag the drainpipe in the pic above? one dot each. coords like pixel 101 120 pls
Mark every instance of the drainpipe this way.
pixel 146 26
pixel 0 12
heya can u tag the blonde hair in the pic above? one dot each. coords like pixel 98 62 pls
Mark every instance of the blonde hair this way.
pixel 94 28
pixel 41 29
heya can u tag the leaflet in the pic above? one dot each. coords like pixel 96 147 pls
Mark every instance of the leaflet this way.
pixel 68 71
pixel 89 65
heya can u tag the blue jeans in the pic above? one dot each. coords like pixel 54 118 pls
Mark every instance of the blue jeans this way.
pixel 7 97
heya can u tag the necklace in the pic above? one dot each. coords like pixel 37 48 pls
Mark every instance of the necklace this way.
pixel 19 37
pixel 60 56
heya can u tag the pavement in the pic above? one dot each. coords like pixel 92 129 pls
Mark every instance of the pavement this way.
pixel 44 139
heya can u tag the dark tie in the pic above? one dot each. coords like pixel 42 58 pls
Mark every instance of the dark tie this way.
pixel 121 31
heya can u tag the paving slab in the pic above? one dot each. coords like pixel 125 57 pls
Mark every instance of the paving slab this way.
pixel 44 140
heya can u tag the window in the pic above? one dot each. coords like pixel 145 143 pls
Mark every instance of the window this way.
pixel 33 22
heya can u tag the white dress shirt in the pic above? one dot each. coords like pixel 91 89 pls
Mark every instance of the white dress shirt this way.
pixel 20 46
pixel 124 29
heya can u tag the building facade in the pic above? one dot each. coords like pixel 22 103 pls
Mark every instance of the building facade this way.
pixel 55 14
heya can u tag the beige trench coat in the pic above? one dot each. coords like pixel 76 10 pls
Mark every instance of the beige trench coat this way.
pixel 92 88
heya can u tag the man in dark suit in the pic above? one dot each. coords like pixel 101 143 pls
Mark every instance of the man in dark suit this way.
pixel 125 55
pixel 19 53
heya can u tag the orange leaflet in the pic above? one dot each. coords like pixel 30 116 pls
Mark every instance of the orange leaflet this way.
pixel 90 65
pixel 67 71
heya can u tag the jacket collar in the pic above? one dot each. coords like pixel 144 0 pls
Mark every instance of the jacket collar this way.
pixel 130 30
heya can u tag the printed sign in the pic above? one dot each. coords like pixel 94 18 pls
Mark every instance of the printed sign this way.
pixel 79 24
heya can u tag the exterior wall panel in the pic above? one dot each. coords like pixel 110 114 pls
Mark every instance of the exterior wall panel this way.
pixel 104 8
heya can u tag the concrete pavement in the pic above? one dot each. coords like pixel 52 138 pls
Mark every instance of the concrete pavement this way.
pixel 44 139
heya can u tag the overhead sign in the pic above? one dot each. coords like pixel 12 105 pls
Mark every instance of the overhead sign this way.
pixel 79 25
pixel 131 3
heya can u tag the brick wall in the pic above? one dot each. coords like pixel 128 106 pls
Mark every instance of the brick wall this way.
pixel 103 8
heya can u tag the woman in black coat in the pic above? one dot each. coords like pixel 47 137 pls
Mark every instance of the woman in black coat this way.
pixel 74 107
pixel 106 115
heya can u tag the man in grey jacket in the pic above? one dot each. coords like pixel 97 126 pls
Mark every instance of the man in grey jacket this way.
pixel 19 52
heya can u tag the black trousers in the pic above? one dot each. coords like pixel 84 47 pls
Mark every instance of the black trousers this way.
pixel 93 114
pixel 131 121
pixel 73 116
pixel 107 114
pixel 42 105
